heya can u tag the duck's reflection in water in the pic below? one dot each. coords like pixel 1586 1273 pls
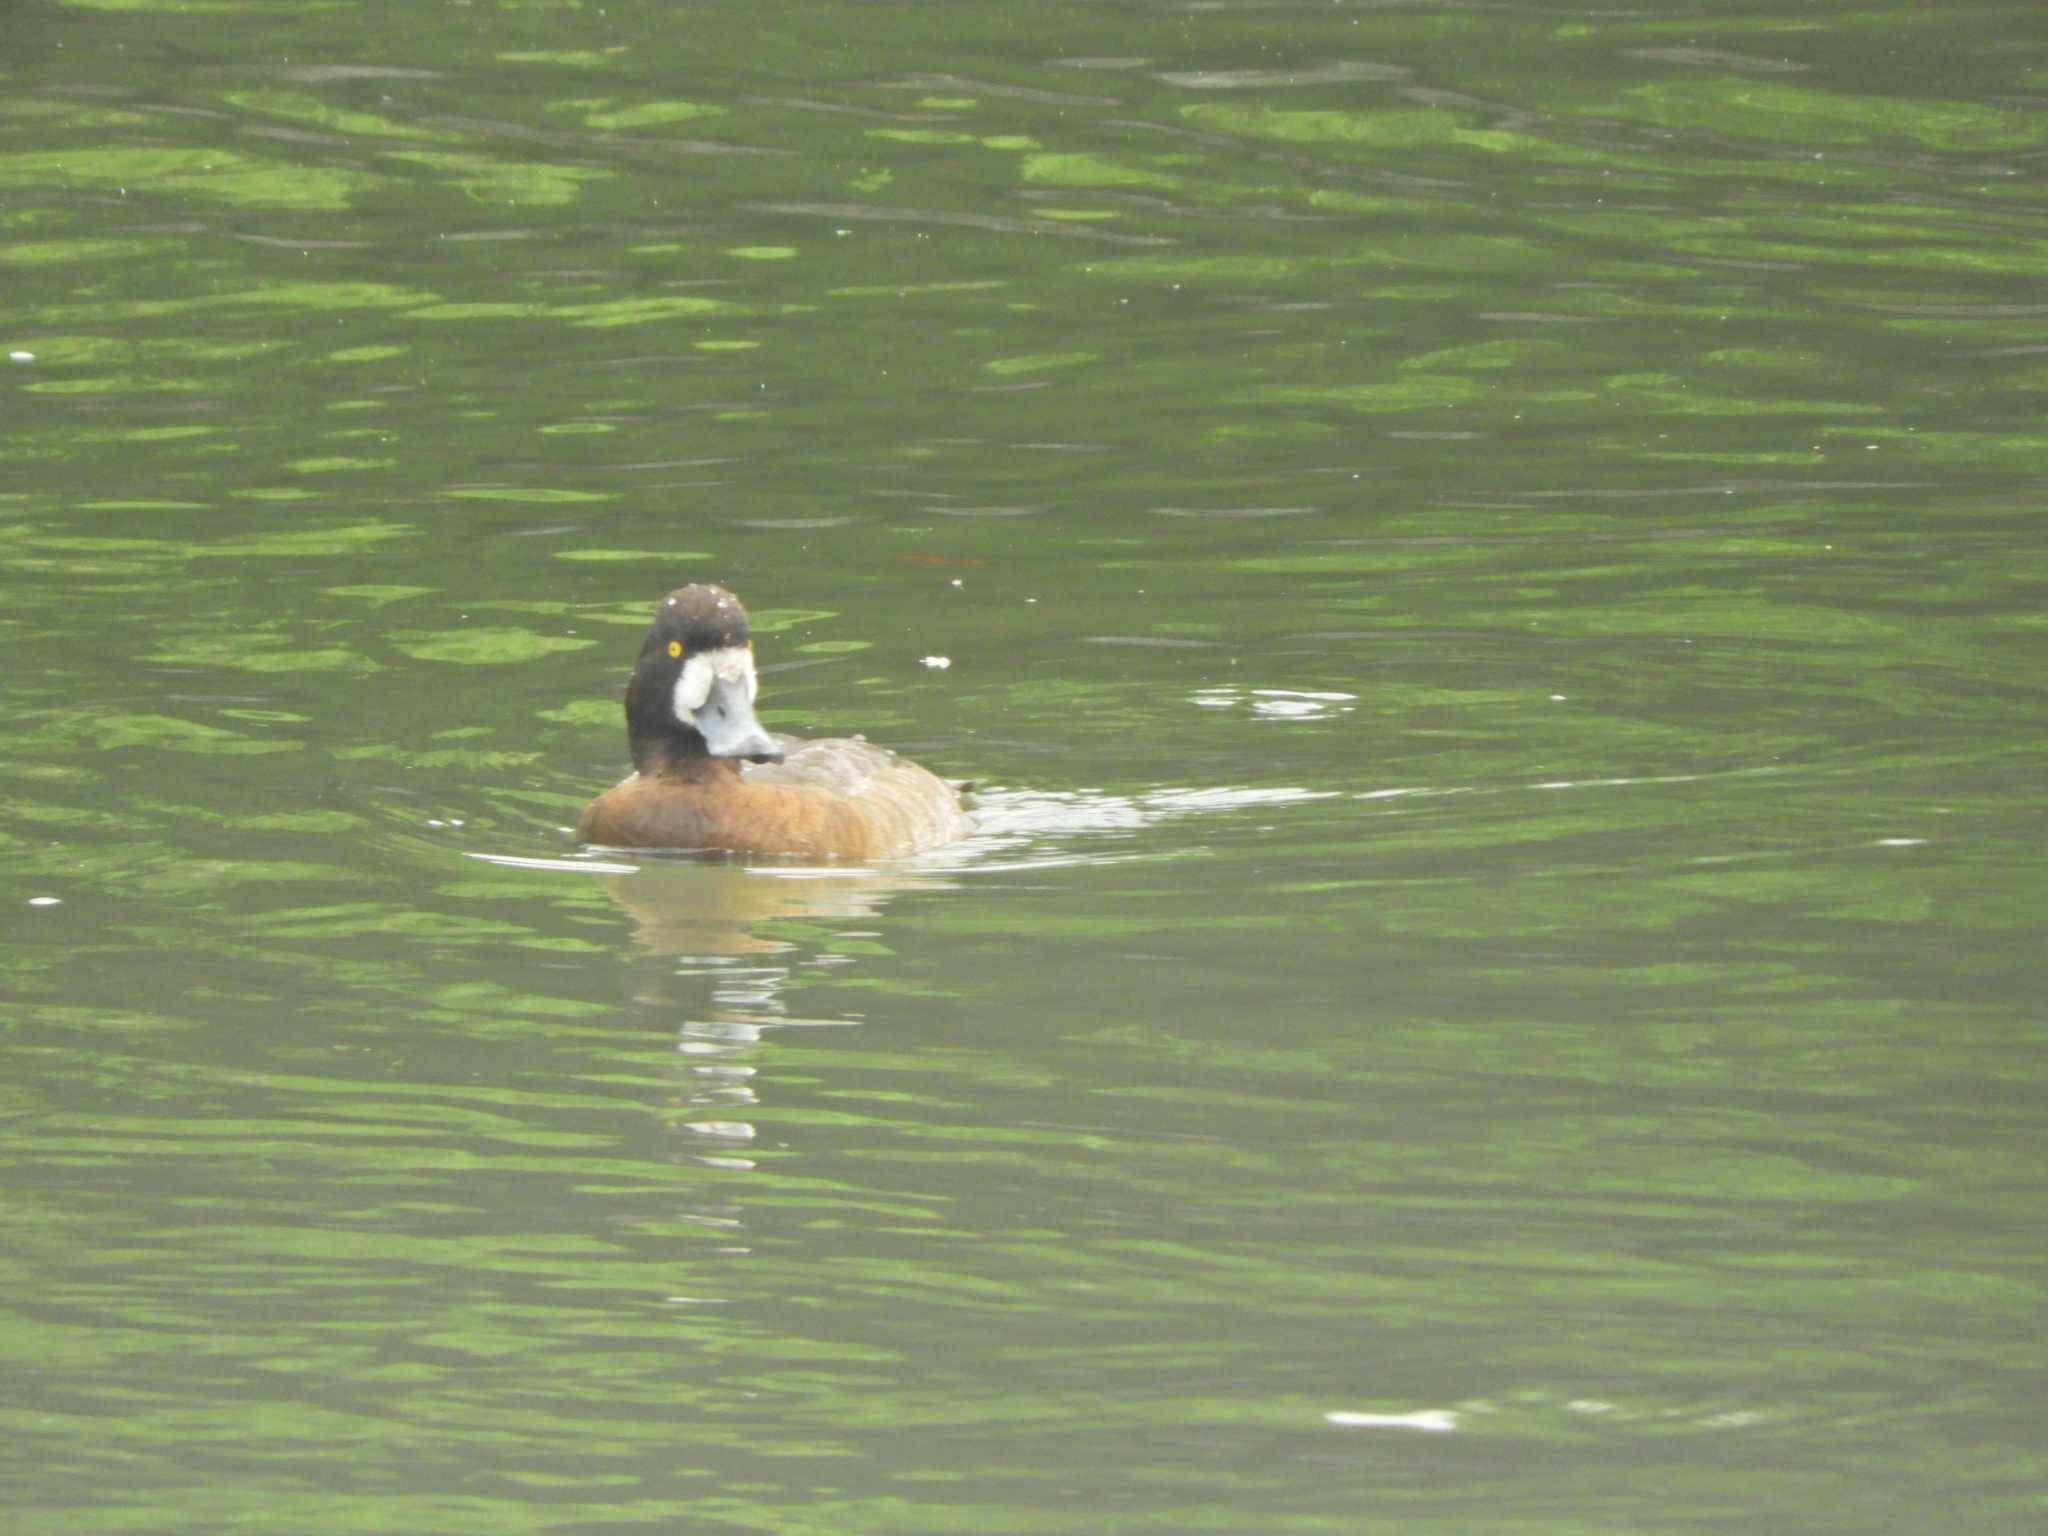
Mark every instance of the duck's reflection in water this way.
pixel 719 947
pixel 686 908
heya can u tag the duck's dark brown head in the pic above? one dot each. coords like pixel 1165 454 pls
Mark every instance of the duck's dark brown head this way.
pixel 692 693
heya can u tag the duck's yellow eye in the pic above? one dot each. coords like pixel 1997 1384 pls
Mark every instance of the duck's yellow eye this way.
pixel 675 648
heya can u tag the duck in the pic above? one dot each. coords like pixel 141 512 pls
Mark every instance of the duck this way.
pixel 706 774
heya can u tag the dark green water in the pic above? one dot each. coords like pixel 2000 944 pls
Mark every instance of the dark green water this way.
pixel 1493 571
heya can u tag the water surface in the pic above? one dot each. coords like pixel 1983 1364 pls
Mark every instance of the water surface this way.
pixel 1490 572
